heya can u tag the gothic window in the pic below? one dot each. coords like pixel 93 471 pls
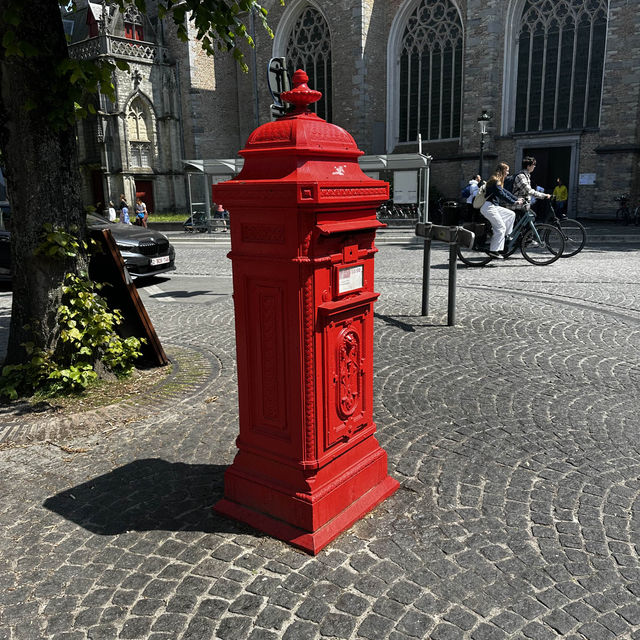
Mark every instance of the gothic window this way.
pixel 309 48
pixel 137 121
pixel 138 130
pixel 140 154
pixel 561 47
pixel 431 73
pixel 133 29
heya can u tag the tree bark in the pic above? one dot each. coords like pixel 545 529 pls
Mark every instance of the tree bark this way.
pixel 40 158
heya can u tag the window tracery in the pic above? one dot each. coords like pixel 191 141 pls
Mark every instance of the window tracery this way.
pixel 431 73
pixel 309 48
pixel 561 48
pixel 138 131
pixel 133 23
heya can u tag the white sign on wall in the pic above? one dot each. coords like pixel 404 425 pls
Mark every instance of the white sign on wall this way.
pixel 587 178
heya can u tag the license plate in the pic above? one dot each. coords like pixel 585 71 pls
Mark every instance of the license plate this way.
pixel 161 260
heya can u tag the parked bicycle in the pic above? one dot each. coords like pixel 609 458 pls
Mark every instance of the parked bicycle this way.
pixel 390 210
pixel 623 213
pixel 540 244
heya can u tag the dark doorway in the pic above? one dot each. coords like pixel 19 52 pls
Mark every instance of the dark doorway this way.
pixel 97 190
pixel 551 163
pixel 144 190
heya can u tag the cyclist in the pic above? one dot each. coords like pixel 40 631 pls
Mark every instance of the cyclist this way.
pixel 501 218
pixel 522 182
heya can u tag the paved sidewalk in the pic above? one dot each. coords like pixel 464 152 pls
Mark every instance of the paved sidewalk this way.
pixel 514 436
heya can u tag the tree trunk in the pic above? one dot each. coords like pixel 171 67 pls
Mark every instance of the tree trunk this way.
pixel 40 158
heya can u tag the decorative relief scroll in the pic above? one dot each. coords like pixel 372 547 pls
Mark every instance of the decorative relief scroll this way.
pixel 349 365
pixel 264 233
pixel 352 192
pixel 266 352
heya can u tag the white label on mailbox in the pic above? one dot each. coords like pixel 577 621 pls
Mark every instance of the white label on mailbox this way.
pixel 350 278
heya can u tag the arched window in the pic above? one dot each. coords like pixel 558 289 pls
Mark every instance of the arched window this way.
pixel 309 48
pixel 138 130
pixel 133 29
pixel 561 47
pixel 431 73
pixel 137 122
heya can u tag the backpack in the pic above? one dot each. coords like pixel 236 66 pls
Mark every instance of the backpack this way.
pixel 481 197
pixel 466 192
pixel 509 181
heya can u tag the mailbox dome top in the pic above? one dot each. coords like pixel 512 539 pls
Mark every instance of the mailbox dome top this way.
pixel 301 129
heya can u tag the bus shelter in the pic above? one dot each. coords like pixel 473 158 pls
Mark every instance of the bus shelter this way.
pixel 407 173
pixel 201 174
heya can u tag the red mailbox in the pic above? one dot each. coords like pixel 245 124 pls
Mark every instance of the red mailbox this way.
pixel 303 224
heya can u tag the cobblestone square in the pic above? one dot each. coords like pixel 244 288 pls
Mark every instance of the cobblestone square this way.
pixel 514 436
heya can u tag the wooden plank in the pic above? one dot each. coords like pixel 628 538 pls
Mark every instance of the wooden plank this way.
pixel 108 267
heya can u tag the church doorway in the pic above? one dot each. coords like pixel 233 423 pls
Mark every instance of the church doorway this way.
pixel 551 163
pixel 144 190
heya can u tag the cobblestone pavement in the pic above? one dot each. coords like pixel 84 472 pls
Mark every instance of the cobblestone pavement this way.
pixel 514 436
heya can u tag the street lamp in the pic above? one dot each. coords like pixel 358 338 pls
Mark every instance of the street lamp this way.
pixel 483 124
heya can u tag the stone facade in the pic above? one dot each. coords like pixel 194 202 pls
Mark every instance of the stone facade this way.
pixel 361 33
pixel 213 106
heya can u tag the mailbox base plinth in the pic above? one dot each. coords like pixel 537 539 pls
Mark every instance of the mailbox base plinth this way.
pixel 311 542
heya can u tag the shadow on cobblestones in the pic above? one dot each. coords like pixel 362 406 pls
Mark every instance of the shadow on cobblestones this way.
pixel 147 495
pixel 394 322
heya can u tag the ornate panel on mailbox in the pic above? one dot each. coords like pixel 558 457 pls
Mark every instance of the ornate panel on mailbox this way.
pixel 345 352
pixel 266 349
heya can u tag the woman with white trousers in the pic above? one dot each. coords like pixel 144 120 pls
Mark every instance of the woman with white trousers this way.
pixel 501 218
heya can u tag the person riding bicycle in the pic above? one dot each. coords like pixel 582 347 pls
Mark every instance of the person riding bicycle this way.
pixel 522 187
pixel 501 218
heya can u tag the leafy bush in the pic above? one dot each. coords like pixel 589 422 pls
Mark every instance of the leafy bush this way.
pixel 88 337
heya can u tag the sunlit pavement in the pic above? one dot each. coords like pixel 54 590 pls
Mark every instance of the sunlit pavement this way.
pixel 514 436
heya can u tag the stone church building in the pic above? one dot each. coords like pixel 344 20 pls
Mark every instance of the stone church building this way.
pixel 560 80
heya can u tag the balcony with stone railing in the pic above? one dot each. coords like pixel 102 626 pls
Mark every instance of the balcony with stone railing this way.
pixel 118 48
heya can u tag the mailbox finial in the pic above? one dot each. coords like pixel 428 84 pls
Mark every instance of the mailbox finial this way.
pixel 301 96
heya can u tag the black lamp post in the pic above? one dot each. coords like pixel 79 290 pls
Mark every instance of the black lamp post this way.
pixel 483 123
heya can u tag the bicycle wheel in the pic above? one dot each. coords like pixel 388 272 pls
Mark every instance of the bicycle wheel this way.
pixel 477 255
pixel 623 214
pixel 575 237
pixel 547 249
pixel 474 257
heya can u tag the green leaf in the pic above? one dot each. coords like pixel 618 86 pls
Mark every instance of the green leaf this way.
pixel 9 38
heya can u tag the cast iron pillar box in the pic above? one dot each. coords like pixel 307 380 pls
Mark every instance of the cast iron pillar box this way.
pixel 303 223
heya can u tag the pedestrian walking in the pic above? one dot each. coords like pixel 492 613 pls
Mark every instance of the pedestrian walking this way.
pixel 124 210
